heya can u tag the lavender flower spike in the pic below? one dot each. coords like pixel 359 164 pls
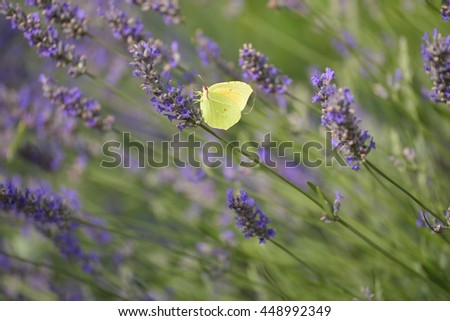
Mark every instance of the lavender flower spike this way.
pixel 39 204
pixel 249 217
pixel 445 10
pixel 255 68
pixel 124 27
pixel 132 31
pixel 46 40
pixel 71 18
pixel 436 57
pixel 52 214
pixel 297 5
pixel 73 103
pixel 168 99
pixel 169 9
pixel 338 115
pixel 207 49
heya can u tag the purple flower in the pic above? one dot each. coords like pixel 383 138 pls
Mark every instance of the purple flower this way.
pixel 421 217
pixel 5 263
pixel 124 27
pixel 249 217
pixel 169 9
pixel 437 226
pixel 209 52
pixel 338 116
pixel 46 40
pixel 131 30
pixel 47 155
pixel 51 214
pixel 49 130
pixel 337 203
pixel 207 49
pixel 348 41
pixel 40 204
pixel 168 98
pixel 68 245
pixel 445 10
pixel 322 81
pixel 193 174
pixel 71 18
pixel 255 68
pixel 436 57
pixel 74 104
pixel 297 5
pixel 97 234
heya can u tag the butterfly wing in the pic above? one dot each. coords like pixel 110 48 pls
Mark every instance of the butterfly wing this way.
pixel 219 112
pixel 235 92
pixel 222 104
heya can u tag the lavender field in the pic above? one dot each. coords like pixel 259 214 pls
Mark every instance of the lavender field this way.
pixel 224 150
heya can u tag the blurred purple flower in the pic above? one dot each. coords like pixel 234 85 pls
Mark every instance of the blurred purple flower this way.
pixel 169 9
pixel 209 52
pixel 74 104
pixel 51 215
pixel 97 234
pixel 40 204
pixel 46 40
pixel 207 49
pixel 71 18
pixel 255 67
pixel 347 41
pixel 47 155
pixel 249 217
pixel 297 5
pixel 437 226
pixel 131 30
pixel 337 203
pixel 445 10
pixel 5 263
pixel 124 27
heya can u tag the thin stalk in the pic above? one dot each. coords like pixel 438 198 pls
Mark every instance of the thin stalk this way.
pixel 388 254
pixel 415 199
pixel 170 249
pixel 264 166
pixel 296 258
pixel 108 46
pixel 118 92
pixel 309 106
pixel 66 273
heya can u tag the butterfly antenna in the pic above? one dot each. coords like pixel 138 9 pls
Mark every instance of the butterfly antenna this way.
pixel 204 85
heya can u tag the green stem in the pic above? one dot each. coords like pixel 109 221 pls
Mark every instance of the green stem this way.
pixel 66 273
pixel 415 199
pixel 118 92
pixel 108 46
pixel 296 258
pixel 309 106
pixel 14 146
pixel 387 254
pixel 141 238
pixel 264 166
pixel 170 249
